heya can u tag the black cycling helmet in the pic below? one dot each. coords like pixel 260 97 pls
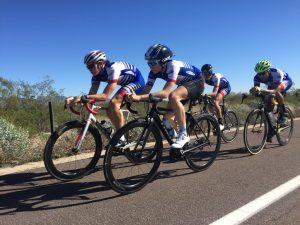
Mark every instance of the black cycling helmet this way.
pixel 207 68
pixel 158 52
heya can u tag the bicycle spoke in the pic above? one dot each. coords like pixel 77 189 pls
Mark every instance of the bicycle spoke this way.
pixel 255 131
pixel 64 159
pixel 130 167
pixel 203 147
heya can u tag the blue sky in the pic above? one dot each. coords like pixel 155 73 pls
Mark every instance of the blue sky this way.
pixel 40 38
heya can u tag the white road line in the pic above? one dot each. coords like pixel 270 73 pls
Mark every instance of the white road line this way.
pixel 240 215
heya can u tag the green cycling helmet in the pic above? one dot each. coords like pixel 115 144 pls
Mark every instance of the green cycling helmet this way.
pixel 262 66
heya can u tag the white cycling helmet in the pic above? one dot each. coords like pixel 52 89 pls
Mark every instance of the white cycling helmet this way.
pixel 94 57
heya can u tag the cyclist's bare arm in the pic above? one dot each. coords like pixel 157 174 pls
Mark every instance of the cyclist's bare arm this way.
pixel 142 96
pixel 106 93
pixel 160 94
pixel 214 92
pixel 168 88
pixel 93 90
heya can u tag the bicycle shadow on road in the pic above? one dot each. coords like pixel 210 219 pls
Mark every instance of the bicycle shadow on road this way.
pixel 26 179
pixel 236 153
pixel 241 152
pixel 26 194
pixel 178 168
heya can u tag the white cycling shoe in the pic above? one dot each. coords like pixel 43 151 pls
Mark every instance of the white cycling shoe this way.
pixel 221 126
pixel 181 140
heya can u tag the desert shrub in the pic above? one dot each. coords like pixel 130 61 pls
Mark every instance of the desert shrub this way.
pixel 14 143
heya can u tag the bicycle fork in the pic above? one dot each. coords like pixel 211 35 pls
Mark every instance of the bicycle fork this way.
pixel 81 134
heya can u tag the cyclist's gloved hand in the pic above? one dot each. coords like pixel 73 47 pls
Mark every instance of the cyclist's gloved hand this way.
pixel 255 90
pixel 128 98
pixel 84 99
pixel 69 100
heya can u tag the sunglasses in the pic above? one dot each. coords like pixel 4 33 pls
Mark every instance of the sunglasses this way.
pixel 91 66
pixel 153 63
pixel 262 73
pixel 205 73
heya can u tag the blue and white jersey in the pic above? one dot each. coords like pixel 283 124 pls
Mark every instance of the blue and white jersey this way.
pixel 177 72
pixel 277 77
pixel 121 73
pixel 218 81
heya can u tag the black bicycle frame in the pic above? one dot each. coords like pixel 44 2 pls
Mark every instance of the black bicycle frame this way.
pixel 154 119
pixel 263 110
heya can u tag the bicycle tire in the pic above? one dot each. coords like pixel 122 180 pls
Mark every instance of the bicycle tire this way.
pixel 231 120
pixel 285 139
pixel 60 159
pixel 249 128
pixel 123 165
pixel 202 155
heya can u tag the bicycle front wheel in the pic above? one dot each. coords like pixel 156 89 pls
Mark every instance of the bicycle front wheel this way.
pixel 63 161
pixel 285 130
pixel 205 142
pixel 255 131
pixel 129 165
pixel 231 126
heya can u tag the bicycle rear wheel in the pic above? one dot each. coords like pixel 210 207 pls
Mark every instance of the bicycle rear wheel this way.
pixel 204 145
pixel 231 126
pixel 255 131
pixel 63 161
pixel 129 166
pixel 285 131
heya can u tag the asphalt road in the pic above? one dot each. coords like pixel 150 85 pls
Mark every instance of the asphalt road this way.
pixel 175 196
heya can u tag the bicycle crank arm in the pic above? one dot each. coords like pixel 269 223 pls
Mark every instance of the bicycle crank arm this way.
pixel 194 147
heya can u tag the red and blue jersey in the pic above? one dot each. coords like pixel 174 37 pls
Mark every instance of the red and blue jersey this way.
pixel 276 78
pixel 177 72
pixel 122 73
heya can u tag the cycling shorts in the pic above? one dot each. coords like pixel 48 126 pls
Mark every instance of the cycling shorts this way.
pixel 194 87
pixel 136 87
pixel 285 85
pixel 225 91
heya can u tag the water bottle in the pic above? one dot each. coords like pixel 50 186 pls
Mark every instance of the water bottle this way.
pixel 106 127
pixel 171 131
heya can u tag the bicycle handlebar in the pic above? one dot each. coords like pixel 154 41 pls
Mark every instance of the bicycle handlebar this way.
pixel 89 107
pixel 244 96
pixel 73 110
pixel 206 98
pixel 128 106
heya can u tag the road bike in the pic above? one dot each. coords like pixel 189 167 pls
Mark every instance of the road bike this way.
pixel 74 148
pixel 129 166
pixel 230 119
pixel 261 124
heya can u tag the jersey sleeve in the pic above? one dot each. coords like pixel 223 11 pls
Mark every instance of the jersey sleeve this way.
pixel 217 80
pixel 172 72
pixel 151 79
pixel 113 74
pixel 277 76
pixel 95 80
pixel 256 81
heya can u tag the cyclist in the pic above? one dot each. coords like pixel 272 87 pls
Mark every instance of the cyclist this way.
pixel 278 83
pixel 187 78
pixel 221 89
pixel 113 73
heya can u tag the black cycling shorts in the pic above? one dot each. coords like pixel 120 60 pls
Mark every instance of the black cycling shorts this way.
pixel 194 87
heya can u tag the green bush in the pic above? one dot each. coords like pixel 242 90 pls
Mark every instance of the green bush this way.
pixel 14 143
